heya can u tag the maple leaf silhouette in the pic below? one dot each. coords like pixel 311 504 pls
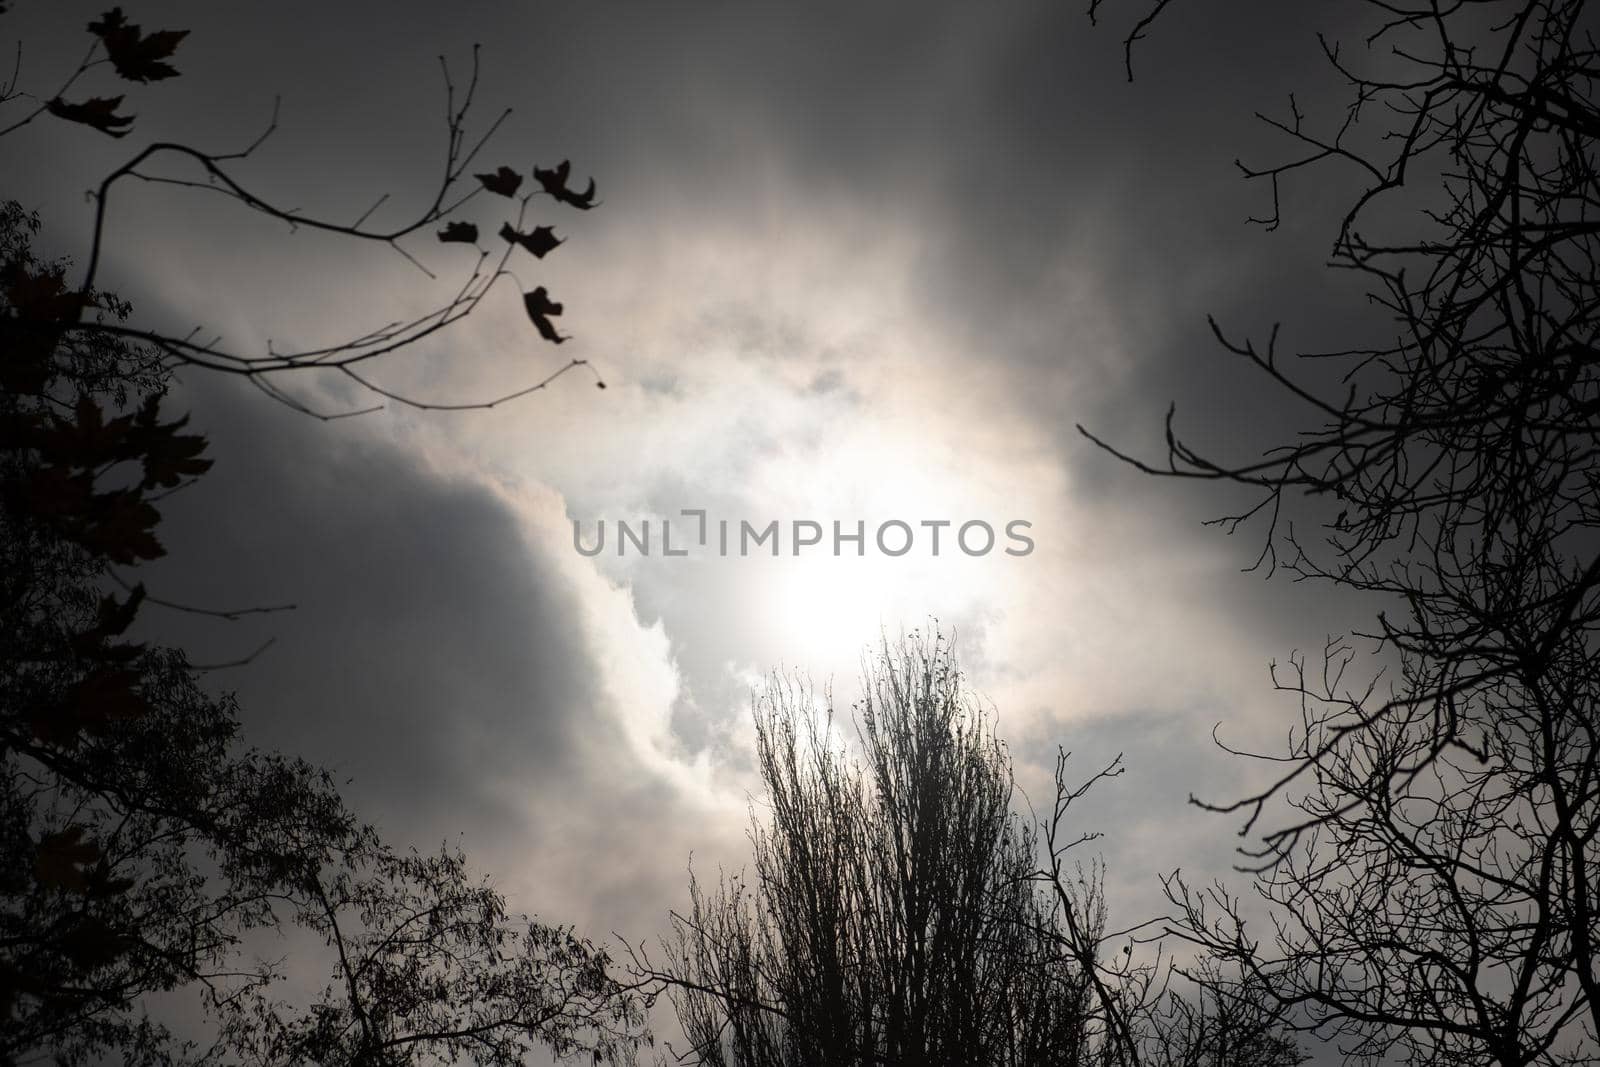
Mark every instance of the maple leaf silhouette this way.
pixel 167 456
pixel 42 296
pixel 60 857
pixel 464 232
pixel 137 56
pixel 56 493
pixel 86 439
pixel 120 527
pixel 91 943
pixel 115 616
pixel 542 240
pixel 540 307
pixel 504 181
pixel 92 705
pixel 554 182
pixel 97 111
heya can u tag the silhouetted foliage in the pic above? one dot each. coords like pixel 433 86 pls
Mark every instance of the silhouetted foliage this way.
pixel 1434 896
pixel 143 841
pixel 145 848
pixel 137 56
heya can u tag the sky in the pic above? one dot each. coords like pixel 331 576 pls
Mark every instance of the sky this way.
pixel 850 262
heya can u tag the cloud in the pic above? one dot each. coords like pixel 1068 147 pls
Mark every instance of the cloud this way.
pixel 470 681
pixel 849 263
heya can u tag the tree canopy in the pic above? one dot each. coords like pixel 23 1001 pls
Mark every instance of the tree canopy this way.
pixel 145 843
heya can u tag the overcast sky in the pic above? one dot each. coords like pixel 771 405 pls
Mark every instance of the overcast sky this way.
pixel 852 262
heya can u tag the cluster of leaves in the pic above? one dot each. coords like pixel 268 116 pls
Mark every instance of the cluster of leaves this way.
pixel 142 840
pixel 141 57
pixel 136 56
pixel 73 689
pixel 540 241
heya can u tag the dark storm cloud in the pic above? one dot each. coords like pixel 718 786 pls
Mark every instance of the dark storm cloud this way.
pixel 434 654
pixel 1012 144
pixel 439 659
pixel 1072 233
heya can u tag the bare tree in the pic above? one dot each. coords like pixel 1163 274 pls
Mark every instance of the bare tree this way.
pixel 892 916
pixel 1433 894
pixel 1207 1016
pixel 1145 1006
pixel 899 911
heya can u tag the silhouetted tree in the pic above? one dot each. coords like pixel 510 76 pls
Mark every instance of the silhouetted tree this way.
pixel 1209 1017
pixel 142 841
pixel 892 917
pixel 898 912
pixel 1434 896
pixel 1151 1009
